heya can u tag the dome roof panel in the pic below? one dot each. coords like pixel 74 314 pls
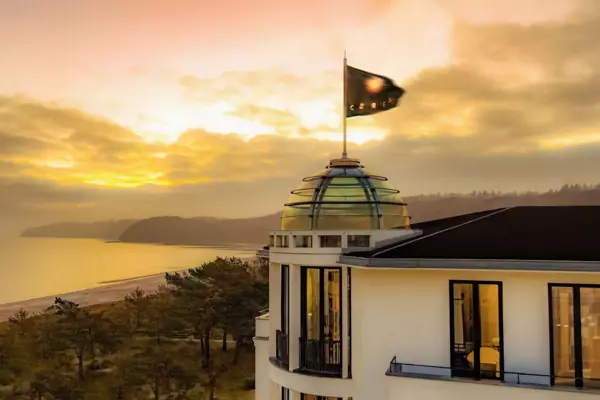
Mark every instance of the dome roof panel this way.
pixel 344 197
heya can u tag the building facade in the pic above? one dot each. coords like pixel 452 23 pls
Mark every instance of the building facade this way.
pixel 497 304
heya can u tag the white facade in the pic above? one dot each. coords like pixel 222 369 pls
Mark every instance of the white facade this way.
pixel 405 313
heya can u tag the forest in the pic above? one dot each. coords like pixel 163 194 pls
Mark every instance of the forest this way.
pixel 189 339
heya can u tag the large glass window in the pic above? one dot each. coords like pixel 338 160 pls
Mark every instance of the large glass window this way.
pixel 476 329
pixel 575 335
pixel 321 320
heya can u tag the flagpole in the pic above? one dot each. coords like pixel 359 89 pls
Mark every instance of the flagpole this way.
pixel 344 106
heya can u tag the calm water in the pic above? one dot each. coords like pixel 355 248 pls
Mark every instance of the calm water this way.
pixel 32 267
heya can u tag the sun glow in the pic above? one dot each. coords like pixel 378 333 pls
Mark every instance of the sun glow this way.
pixel 357 136
pixel 122 181
pixel 558 143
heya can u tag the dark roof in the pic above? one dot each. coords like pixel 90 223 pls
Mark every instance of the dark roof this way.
pixel 568 233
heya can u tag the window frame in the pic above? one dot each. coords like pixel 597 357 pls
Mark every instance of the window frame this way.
pixel 323 237
pixel 578 377
pixel 303 308
pixel 285 299
pixel 310 240
pixel 368 238
pixel 476 283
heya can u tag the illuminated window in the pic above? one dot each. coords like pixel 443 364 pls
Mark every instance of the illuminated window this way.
pixel 575 335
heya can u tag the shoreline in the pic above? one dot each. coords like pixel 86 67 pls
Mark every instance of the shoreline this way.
pixel 109 293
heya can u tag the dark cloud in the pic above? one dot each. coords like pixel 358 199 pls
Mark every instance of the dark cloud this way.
pixel 20 145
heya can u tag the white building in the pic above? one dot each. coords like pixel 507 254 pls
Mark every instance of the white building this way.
pixel 492 305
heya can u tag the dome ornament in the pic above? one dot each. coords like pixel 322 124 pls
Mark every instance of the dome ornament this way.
pixel 345 196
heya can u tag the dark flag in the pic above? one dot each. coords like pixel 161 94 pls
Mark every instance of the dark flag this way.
pixel 368 93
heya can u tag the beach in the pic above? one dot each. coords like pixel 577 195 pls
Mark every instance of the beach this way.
pixel 87 271
pixel 86 297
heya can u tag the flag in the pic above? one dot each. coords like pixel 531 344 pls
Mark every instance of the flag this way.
pixel 368 93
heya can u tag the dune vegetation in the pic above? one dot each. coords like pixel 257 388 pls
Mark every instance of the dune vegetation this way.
pixel 190 339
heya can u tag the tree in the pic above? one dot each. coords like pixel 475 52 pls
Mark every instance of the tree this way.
pixel 78 330
pixel 153 366
pixel 163 318
pixel 49 384
pixel 23 322
pixel 226 293
pixel 124 377
pixel 13 359
pixel 137 306
pixel 198 298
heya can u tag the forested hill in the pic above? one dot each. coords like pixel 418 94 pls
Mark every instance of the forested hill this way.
pixel 215 231
pixel 201 231
pixel 109 230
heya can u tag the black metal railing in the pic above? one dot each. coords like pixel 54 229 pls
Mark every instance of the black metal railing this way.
pixel 282 346
pixel 321 356
pixel 508 377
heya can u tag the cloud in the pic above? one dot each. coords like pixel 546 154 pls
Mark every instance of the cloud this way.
pixel 516 107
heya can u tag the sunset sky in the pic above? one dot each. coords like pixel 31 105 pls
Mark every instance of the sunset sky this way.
pixel 134 108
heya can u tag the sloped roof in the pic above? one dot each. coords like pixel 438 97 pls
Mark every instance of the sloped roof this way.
pixel 563 233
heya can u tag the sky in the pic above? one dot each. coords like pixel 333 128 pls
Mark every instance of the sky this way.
pixel 134 108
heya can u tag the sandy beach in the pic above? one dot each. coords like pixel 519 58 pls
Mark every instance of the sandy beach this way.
pixel 87 297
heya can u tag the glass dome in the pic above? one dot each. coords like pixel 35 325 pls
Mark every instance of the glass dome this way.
pixel 344 196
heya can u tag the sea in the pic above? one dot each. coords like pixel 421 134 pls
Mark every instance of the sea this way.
pixel 38 267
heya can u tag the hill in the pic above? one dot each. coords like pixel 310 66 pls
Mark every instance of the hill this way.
pixel 109 230
pixel 209 231
pixel 201 231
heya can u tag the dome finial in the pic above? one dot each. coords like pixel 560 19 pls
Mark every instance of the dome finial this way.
pixel 345 162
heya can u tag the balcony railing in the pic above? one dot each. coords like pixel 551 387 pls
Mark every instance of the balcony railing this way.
pixel 510 378
pixel 282 348
pixel 321 357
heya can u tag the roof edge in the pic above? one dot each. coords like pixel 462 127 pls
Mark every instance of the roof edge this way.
pixel 422 237
pixel 470 264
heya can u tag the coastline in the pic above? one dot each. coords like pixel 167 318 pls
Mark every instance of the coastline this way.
pixel 108 293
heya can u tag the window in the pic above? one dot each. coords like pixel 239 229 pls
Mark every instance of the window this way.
pixel 476 330
pixel 283 241
pixel 282 335
pixel 313 397
pixel 271 240
pixel 303 241
pixel 331 240
pixel 321 323
pixel 285 394
pixel 349 322
pixel 575 335
pixel 285 298
pixel 359 240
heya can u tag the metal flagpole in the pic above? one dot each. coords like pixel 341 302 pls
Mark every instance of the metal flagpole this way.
pixel 344 106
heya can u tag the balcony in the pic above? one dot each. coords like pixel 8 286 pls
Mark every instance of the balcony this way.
pixel 321 357
pixel 509 381
pixel 282 354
